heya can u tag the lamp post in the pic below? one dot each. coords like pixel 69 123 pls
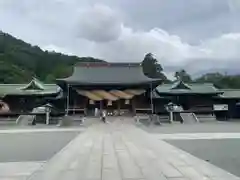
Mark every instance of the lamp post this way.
pixel 171 109
pixel 48 110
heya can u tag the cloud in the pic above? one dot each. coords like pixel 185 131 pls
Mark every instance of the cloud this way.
pixel 224 47
pixel 193 20
pixel 133 45
pixel 115 41
pixel 130 45
pixel 180 36
pixel 99 23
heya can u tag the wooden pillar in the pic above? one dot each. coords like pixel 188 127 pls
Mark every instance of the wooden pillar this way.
pixel 101 106
pixel 68 99
pixel 85 106
pixel 151 99
pixel 74 106
pixel 133 106
pixel 119 106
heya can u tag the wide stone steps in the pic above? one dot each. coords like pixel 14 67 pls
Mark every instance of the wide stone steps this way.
pixel 189 118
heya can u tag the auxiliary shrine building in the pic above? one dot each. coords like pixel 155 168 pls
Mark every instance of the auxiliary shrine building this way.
pixel 192 96
pixel 17 98
pixel 200 98
pixel 115 87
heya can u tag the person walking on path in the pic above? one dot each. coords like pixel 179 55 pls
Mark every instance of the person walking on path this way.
pixel 103 116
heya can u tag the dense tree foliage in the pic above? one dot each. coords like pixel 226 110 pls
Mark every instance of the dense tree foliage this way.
pixel 183 75
pixel 219 80
pixel 152 68
pixel 20 61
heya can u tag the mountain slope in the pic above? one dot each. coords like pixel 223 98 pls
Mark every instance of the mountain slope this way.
pixel 20 61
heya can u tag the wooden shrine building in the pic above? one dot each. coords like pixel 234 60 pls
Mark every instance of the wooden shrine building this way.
pixel 191 96
pixel 200 98
pixel 115 87
pixel 17 98
pixel 231 97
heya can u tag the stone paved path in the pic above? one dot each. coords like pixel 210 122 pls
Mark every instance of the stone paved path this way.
pixel 18 170
pixel 121 151
pixel 13 131
pixel 189 136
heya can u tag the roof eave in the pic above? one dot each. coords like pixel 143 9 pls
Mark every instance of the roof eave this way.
pixel 148 81
pixel 32 94
pixel 186 93
pixel 220 97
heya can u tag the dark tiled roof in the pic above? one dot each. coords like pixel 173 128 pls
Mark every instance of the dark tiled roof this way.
pixel 183 88
pixel 155 95
pixel 108 73
pixel 230 94
pixel 28 89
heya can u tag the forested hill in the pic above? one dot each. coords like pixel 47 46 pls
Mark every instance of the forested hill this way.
pixel 20 61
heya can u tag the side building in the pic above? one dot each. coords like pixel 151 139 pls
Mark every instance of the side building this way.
pixel 192 96
pixel 231 97
pixel 115 87
pixel 17 98
pixel 200 98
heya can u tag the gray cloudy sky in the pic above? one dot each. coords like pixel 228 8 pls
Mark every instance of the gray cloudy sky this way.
pixel 195 34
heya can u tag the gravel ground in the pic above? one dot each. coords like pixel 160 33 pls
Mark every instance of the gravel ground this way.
pixel 212 127
pixel 32 146
pixel 223 153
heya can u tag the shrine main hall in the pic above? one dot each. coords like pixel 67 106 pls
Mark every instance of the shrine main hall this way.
pixel 115 87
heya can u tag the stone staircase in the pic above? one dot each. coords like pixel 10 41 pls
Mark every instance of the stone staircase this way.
pixel 189 118
pixel 25 120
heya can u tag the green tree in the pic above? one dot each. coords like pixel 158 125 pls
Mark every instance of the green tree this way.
pixel 210 77
pixel 12 74
pixel 183 75
pixel 50 78
pixel 152 68
pixel 220 80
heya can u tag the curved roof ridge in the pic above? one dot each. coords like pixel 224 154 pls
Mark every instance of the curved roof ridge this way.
pixel 33 85
pixel 199 83
pixel 180 85
pixel 108 73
